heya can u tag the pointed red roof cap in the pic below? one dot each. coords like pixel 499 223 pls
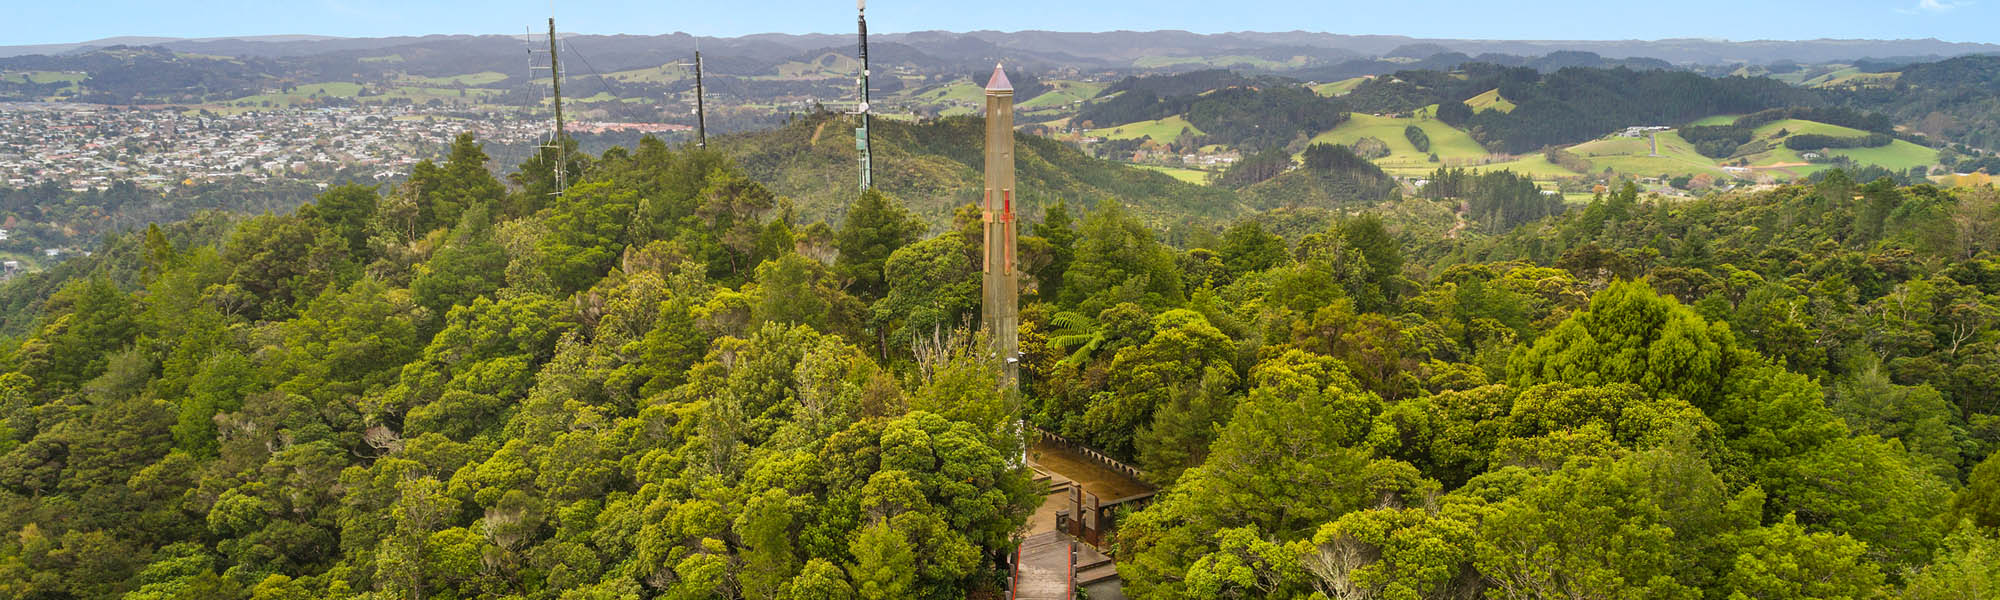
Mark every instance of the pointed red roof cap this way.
pixel 999 81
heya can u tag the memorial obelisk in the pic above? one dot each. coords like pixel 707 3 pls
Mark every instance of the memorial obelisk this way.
pixel 1002 307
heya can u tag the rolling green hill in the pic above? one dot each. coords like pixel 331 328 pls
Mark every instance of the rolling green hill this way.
pixel 469 79
pixel 1635 156
pixel 1161 130
pixel 1063 93
pixel 1491 100
pixel 1219 62
pixel 1535 166
pixel 667 73
pixel 827 65
pixel 1898 155
pixel 41 77
pixel 1852 78
pixel 1715 120
pixel 1339 88
pixel 1194 176
pixel 934 167
pixel 302 94
pixel 1448 142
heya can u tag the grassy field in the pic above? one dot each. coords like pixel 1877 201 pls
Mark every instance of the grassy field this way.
pixel 420 94
pixel 1449 143
pixel 1862 80
pixel 1850 77
pixel 1822 78
pixel 1791 172
pixel 659 74
pixel 1194 176
pixel 826 65
pixel 1218 62
pixel 1634 156
pixel 1898 155
pixel 1793 127
pixel 1799 77
pixel 41 77
pixel 962 97
pixel 1534 166
pixel 1339 88
pixel 1063 93
pixel 306 94
pixel 1490 100
pixel 1715 120
pixel 469 79
pixel 302 94
pixel 957 91
pixel 1161 130
pixel 1578 198
pixel 1966 180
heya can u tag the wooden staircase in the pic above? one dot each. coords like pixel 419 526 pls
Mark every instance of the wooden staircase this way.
pixel 1045 568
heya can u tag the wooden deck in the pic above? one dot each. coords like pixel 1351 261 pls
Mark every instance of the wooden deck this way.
pixel 1045 570
pixel 1051 563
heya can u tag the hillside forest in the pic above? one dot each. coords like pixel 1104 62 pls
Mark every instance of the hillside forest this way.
pixel 667 383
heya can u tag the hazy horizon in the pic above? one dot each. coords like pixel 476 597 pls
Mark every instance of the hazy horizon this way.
pixel 1556 20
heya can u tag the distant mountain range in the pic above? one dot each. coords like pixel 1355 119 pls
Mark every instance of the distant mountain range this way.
pixel 1115 49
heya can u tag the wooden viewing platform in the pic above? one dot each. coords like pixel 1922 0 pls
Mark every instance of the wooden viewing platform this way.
pixel 1056 556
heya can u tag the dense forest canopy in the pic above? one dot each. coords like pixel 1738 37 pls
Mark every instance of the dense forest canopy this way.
pixel 1245 112
pixel 1573 104
pixel 665 383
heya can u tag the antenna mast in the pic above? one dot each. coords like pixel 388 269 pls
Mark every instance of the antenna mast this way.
pixel 861 134
pixel 555 78
pixel 554 147
pixel 700 103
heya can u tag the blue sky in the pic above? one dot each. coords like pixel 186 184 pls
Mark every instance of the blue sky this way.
pixel 36 22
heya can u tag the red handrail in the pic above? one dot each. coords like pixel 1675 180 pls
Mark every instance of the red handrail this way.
pixel 1014 568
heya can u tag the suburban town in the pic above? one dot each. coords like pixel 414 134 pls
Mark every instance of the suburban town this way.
pixel 87 146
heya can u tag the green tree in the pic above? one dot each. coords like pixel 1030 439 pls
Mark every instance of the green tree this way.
pixel 1248 248
pixel 1059 230
pixel 875 228
pixel 1383 256
pixel 280 263
pixel 349 212
pixel 470 265
pixel 588 230
pixel 818 580
pixel 1785 561
pixel 1979 501
pixel 89 320
pixel 884 565
pixel 225 379
pixel 1968 567
pixel 1292 444
pixel 444 193
pixel 537 177
pixel 766 530
pixel 932 288
pixel 1183 352
pixel 1632 334
pixel 730 208
pixel 1582 531
pixel 795 290
pixel 1919 416
pixel 1119 260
